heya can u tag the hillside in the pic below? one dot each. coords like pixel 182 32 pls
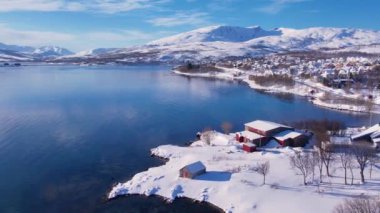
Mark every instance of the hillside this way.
pixel 217 42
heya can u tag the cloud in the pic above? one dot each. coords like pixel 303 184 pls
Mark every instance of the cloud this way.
pixel 32 38
pixel 79 41
pixel 278 5
pixel 125 36
pixel 102 6
pixel 181 18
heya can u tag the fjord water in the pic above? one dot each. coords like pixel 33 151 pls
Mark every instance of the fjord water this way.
pixel 68 133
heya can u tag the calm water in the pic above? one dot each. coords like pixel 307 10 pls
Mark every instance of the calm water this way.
pixel 68 133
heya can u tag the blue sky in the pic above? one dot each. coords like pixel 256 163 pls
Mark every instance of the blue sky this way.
pixel 86 24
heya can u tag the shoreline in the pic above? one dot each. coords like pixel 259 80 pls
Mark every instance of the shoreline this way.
pixel 229 180
pixel 164 200
pixel 302 90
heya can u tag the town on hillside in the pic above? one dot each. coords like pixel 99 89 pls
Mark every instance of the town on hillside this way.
pixel 343 81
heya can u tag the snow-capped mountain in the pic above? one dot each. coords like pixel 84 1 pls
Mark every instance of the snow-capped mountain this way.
pixel 218 42
pixel 51 52
pixel 27 53
pixel 93 52
pixel 9 55
pixel 16 48
pixel 218 33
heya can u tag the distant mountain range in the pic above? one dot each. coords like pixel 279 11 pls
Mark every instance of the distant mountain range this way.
pixel 218 42
pixel 27 53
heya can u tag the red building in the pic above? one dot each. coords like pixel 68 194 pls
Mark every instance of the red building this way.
pixel 260 132
pixel 266 128
pixel 192 170
pixel 249 147
pixel 251 137
pixel 291 138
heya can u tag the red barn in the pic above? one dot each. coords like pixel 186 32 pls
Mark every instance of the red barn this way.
pixel 251 137
pixel 192 170
pixel 249 147
pixel 291 138
pixel 266 128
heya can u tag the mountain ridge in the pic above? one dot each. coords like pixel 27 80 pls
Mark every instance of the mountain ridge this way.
pixel 221 41
pixel 218 42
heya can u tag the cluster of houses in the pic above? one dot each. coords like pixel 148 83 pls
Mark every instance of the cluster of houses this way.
pixel 294 65
pixel 337 72
pixel 258 133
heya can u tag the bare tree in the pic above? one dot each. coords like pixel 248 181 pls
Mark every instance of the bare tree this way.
pixel 351 168
pixel 263 169
pixel 315 161
pixel 359 205
pixel 301 162
pixel 327 156
pixel 318 163
pixel 226 127
pixel 207 136
pixel 372 162
pixel 344 154
pixel 363 152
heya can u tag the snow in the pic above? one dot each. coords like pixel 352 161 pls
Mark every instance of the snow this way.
pixel 264 125
pixel 216 42
pixel 25 53
pixel 217 33
pixel 250 135
pixel 51 51
pixel 218 139
pixel 231 184
pixel 286 135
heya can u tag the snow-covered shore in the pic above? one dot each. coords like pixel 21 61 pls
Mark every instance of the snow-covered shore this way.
pixel 302 88
pixel 231 184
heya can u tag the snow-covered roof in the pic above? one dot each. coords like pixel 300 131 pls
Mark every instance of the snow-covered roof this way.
pixel 264 125
pixel 287 134
pixel 250 135
pixel 376 140
pixel 369 131
pixel 375 134
pixel 195 167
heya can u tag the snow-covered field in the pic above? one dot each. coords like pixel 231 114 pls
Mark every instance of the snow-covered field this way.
pixel 231 184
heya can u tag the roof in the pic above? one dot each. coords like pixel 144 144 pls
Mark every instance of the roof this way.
pixel 195 167
pixel 375 134
pixel 287 134
pixel 250 135
pixel 367 132
pixel 264 125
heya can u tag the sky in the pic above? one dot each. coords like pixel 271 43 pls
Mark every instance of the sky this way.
pixel 86 24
